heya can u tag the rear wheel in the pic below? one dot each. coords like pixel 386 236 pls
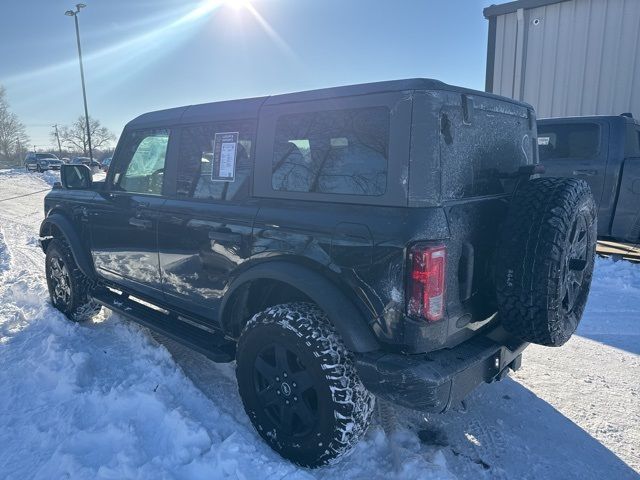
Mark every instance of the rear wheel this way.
pixel 546 259
pixel 68 287
pixel 299 386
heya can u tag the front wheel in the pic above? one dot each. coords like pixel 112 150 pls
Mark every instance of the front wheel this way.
pixel 299 386
pixel 68 287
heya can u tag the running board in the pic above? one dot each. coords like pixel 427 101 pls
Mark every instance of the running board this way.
pixel 208 342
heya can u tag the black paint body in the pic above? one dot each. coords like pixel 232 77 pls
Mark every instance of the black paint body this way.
pixel 452 159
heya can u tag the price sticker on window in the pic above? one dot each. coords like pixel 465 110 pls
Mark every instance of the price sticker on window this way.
pixel 225 150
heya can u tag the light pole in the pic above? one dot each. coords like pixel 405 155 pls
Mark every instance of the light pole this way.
pixel 58 139
pixel 74 14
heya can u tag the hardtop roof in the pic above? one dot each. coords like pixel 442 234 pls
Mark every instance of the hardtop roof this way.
pixel 250 107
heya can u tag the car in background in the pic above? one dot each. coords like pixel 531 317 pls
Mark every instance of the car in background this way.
pixel 39 162
pixel 105 164
pixel 89 162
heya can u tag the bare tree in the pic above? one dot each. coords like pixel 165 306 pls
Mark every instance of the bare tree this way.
pixel 74 136
pixel 13 134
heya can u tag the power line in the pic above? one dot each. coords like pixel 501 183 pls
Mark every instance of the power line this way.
pixel 25 195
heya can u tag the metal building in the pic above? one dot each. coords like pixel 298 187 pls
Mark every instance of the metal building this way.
pixel 566 57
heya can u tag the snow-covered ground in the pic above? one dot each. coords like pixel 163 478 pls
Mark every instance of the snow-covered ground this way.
pixel 109 400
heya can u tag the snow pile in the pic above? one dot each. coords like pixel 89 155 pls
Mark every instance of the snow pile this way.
pixel 105 400
pixel 108 400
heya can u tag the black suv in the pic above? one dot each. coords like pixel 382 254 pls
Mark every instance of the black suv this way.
pixel 390 239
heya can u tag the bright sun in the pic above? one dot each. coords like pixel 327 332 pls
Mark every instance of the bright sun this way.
pixel 237 4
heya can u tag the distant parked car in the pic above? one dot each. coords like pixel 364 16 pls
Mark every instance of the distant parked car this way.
pixel 39 162
pixel 89 162
pixel 605 152
pixel 105 164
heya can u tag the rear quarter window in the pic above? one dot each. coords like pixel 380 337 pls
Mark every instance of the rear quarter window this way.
pixel 333 152
pixel 575 140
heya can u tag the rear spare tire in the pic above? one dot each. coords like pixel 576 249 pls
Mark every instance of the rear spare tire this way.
pixel 545 259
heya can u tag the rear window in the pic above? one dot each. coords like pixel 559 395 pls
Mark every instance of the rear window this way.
pixel 334 152
pixel 481 156
pixel 632 144
pixel 575 140
pixel 45 155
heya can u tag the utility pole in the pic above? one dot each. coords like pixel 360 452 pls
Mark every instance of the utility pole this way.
pixel 58 138
pixel 74 14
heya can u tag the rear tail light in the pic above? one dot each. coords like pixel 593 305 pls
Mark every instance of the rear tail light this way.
pixel 426 282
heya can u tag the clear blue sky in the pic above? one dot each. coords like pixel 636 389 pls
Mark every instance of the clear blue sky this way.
pixel 143 55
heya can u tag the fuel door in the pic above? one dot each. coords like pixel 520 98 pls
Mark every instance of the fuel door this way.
pixel 351 245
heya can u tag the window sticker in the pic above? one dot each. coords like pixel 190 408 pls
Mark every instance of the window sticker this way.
pixel 543 140
pixel 225 149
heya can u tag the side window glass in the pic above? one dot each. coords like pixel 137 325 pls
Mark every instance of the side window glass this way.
pixel 215 161
pixel 336 152
pixel 140 168
pixel 571 140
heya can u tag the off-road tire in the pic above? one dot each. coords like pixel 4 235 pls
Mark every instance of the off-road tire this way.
pixel 75 304
pixel 343 407
pixel 545 259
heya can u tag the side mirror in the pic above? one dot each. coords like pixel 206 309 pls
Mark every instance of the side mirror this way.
pixel 76 177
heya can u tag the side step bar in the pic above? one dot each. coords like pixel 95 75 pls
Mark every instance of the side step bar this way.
pixel 207 342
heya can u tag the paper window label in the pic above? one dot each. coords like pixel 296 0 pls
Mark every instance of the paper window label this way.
pixel 225 150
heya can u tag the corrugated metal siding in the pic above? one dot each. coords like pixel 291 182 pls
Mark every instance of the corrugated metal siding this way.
pixel 578 57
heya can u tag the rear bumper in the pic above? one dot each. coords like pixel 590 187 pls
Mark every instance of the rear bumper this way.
pixel 435 381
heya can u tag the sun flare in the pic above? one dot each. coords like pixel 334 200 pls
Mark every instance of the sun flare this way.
pixel 237 4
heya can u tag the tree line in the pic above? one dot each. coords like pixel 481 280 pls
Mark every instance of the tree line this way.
pixel 66 140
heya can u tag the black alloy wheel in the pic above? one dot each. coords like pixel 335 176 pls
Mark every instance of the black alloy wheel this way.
pixel 299 386
pixel 286 389
pixel 575 263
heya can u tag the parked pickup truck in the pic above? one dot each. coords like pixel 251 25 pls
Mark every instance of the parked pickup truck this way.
pixel 384 240
pixel 605 152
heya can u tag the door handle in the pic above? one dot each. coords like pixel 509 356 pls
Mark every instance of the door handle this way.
pixel 585 173
pixel 228 237
pixel 140 222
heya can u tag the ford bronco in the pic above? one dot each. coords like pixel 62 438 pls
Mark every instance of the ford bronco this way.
pixel 389 240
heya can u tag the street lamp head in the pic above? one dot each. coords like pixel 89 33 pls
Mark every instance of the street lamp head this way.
pixel 80 5
pixel 70 13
